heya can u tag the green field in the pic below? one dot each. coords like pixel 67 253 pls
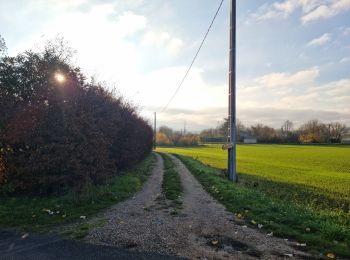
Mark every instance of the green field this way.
pixel 290 189
pixel 323 172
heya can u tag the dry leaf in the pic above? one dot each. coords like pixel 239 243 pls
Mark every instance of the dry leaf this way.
pixel 214 242
pixel 331 256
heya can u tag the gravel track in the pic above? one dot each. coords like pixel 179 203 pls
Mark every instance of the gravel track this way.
pixel 202 230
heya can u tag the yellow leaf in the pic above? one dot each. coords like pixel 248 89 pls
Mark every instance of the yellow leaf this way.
pixel 214 242
pixel 253 222
pixel 331 256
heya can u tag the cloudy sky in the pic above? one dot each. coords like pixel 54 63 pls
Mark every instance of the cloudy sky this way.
pixel 293 56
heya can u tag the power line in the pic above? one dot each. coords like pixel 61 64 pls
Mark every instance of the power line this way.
pixel 195 57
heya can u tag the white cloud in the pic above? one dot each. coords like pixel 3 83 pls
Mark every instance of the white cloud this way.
pixel 346 31
pixel 275 97
pixel 312 10
pixel 335 88
pixel 345 60
pixel 327 10
pixel 164 40
pixel 129 23
pixel 278 79
pixel 322 40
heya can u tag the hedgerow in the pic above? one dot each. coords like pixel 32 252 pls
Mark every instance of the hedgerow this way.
pixel 57 136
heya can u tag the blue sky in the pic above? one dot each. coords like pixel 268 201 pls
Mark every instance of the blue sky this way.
pixel 293 56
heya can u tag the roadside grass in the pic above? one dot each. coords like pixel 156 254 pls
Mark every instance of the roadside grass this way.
pixel 81 230
pixel 172 187
pixel 43 214
pixel 322 231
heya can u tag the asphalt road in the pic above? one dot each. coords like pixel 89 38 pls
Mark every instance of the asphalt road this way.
pixel 30 246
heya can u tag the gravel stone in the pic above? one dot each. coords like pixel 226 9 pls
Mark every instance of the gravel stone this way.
pixel 203 229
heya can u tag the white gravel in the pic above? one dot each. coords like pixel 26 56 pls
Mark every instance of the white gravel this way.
pixel 202 230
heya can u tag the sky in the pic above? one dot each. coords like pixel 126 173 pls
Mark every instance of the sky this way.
pixel 293 56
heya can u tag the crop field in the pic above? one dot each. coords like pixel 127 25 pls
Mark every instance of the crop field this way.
pixel 315 175
pixel 300 192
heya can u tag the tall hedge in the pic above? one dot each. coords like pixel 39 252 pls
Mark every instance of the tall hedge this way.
pixel 56 136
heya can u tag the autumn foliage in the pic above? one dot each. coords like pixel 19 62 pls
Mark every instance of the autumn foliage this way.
pixel 56 136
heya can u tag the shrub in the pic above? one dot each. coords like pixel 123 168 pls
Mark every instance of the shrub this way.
pixel 57 136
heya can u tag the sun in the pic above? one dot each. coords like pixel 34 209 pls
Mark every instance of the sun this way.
pixel 60 78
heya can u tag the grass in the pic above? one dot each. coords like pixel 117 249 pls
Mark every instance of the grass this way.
pixel 40 214
pixel 313 180
pixel 172 187
pixel 322 231
pixel 315 176
pixel 82 229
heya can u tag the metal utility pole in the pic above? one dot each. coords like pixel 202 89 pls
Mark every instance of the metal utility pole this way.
pixel 232 175
pixel 155 131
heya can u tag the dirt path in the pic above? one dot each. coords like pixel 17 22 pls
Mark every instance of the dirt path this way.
pixel 203 229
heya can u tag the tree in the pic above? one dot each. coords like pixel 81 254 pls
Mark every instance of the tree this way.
pixel 287 127
pixel 167 131
pixel 3 48
pixel 162 139
pixel 313 131
pixel 263 133
pixel 337 131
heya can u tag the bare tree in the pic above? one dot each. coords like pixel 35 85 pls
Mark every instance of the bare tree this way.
pixel 264 133
pixel 314 131
pixel 3 48
pixel 337 131
pixel 166 130
pixel 287 127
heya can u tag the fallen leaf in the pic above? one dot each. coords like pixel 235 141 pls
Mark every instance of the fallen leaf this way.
pixel 83 217
pixel 331 256
pixel 260 225
pixel 214 242
pixel 270 234
pixel 253 222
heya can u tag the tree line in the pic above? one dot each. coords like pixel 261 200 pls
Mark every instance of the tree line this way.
pixel 312 131
pixel 59 131
pixel 169 137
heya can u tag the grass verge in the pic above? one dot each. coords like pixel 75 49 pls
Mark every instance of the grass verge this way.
pixel 39 214
pixel 322 231
pixel 172 187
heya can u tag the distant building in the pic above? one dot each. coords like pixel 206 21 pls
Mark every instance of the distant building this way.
pixel 250 140
pixel 346 139
pixel 247 138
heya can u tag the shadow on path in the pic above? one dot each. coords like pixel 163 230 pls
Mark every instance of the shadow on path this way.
pixel 27 246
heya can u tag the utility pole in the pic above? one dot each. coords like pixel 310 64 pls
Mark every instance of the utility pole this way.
pixel 185 127
pixel 232 175
pixel 155 131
